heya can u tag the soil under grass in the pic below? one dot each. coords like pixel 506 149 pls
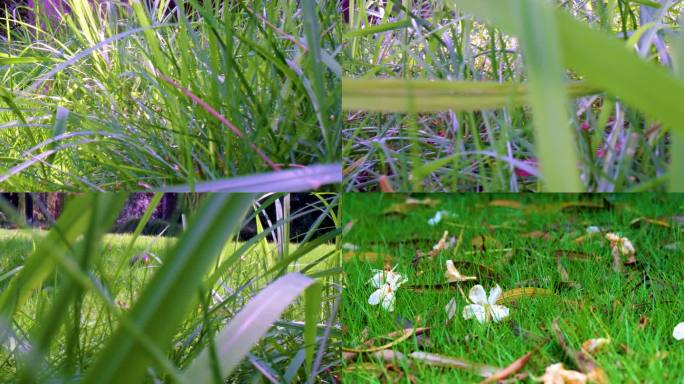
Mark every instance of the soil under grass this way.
pixel 516 245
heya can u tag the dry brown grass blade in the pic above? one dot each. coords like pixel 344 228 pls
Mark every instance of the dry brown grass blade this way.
pixel 452 362
pixel 510 370
pixel 505 203
pixel 409 205
pixel 385 185
pixel 364 256
pixel 516 293
pixel 222 119
pixel 405 334
pixel 638 222
pixel 583 361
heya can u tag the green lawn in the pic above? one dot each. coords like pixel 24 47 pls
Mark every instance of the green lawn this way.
pixel 636 309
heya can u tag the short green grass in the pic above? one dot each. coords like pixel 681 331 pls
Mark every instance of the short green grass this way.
pixel 603 304
pixel 125 282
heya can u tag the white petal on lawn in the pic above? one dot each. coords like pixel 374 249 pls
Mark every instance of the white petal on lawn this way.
pixel 474 310
pixel 388 302
pixel 499 312
pixel 478 295
pixel 375 297
pixel 450 308
pixel 678 331
pixel 494 294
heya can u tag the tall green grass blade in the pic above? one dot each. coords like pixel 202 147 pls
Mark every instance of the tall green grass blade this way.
pixel 676 171
pixel 312 309
pixel 396 95
pixel 643 85
pixel 71 224
pixel 554 139
pixel 167 298
pixel 105 209
pixel 249 325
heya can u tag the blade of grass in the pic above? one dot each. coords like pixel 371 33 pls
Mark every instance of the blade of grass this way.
pixel 169 296
pixel 394 95
pixel 554 139
pixel 249 325
pixel 290 180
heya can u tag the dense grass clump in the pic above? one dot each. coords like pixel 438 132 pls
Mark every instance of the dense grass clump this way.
pixel 465 95
pixel 138 94
pixel 80 305
pixel 537 242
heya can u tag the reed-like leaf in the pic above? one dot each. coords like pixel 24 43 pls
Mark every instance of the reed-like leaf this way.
pixel 644 85
pixel 250 324
pixel 167 299
pixel 397 95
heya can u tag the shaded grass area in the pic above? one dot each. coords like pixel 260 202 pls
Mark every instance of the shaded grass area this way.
pixel 517 246
pixel 237 275
pixel 133 96
pixel 419 136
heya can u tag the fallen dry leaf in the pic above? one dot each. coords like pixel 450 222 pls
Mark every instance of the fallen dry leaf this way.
pixel 385 185
pixel 505 203
pixel 510 370
pixel 594 345
pixel 640 221
pixel 516 293
pixel 557 374
pixel 537 235
pixel 452 362
pixel 364 256
pixel 409 205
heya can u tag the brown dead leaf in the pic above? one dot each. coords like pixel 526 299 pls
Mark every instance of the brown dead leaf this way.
pixel 364 256
pixel 409 205
pixel 385 185
pixel 481 243
pixel 641 221
pixel 510 370
pixel 571 255
pixel 351 167
pixel 643 322
pixel 516 293
pixel 453 362
pixel 537 235
pixel 505 203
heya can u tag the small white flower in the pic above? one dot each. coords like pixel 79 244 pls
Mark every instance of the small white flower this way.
pixel 482 308
pixel 437 218
pixel 350 247
pixel 621 243
pixel 452 274
pixel 678 332
pixel 593 229
pixel 386 283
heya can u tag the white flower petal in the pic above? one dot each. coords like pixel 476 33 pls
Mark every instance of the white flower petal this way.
pixel 378 279
pixel 450 308
pixel 474 310
pixel 375 297
pixel 499 312
pixel 388 302
pixel 478 295
pixel 494 294
pixel 678 331
pixel 452 274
